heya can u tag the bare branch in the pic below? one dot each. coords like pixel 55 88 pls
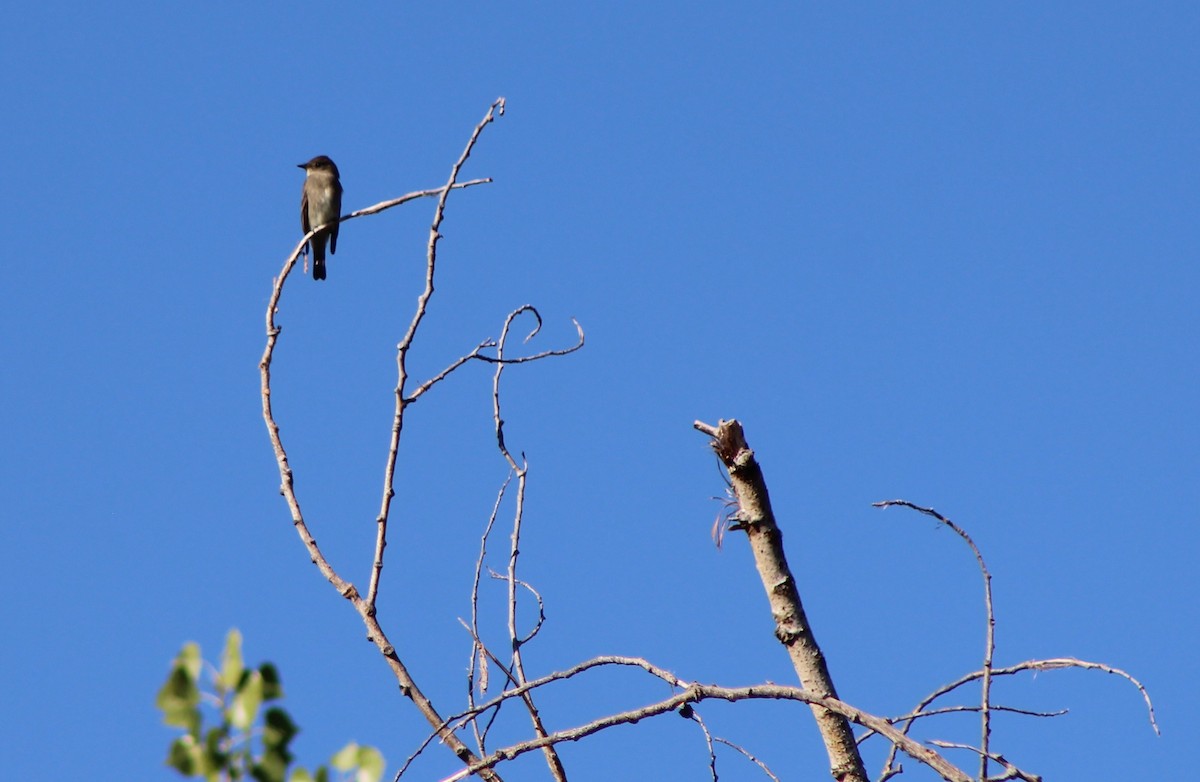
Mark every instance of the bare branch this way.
pixel 440 376
pixel 1010 771
pixel 521 472
pixel 383 206
pixel 365 608
pixel 689 713
pixel 959 709
pixel 480 654
pixel 695 693
pixel 1030 665
pixel 1054 663
pixel 437 191
pixel 708 739
pixel 541 620
pixel 402 349
pixel 792 628
pixel 484 654
pixel 985 715
pixel 478 355
pixel 536 356
pixel 748 756
pixel 461 719
pixel 478 651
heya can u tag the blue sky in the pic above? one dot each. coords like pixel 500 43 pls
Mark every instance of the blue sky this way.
pixel 942 252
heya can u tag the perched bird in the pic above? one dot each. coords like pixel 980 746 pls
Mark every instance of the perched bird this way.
pixel 321 204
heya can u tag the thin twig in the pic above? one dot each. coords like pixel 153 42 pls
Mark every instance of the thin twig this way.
pixel 985 714
pixel 480 654
pixel 384 206
pixel 521 472
pixel 708 741
pixel 696 693
pixel 541 620
pixel 1050 664
pixel 365 608
pixel 1010 771
pixel 960 709
pixel 459 720
pixel 765 769
pixel 486 654
pixel 472 714
pixel 477 653
pixel 405 345
pixel 477 355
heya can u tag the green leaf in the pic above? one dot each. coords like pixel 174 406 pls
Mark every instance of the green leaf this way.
pixel 272 767
pixel 184 755
pixel 278 728
pixel 272 685
pixel 231 660
pixel 244 708
pixel 300 775
pixel 346 758
pixel 179 699
pixel 370 765
pixel 365 761
pixel 189 658
pixel 214 759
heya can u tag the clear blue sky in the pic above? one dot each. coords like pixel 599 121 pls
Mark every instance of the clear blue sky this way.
pixel 942 252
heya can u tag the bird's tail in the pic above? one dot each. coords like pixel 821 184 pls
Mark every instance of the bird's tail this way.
pixel 318 249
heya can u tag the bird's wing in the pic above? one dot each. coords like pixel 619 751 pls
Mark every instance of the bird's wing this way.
pixel 304 210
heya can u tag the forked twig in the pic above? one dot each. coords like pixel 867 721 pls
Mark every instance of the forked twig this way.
pixel 479 655
pixel 1010 771
pixel 389 472
pixel 364 607
pixel 457 721
pixel 988 672
pixel 695 693
pixel 765 769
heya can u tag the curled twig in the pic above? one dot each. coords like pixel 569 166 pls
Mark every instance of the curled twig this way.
pixel 541 620
pixel 477 354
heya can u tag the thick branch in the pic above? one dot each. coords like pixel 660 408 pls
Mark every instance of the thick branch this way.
pixel 756 518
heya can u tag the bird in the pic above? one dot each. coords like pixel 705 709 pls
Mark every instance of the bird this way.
pixel 321 204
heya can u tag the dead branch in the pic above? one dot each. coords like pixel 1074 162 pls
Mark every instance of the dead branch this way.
pixel 521 472
pixel 389 472
pixel 364 607
pixel 756 518
pixel 696 693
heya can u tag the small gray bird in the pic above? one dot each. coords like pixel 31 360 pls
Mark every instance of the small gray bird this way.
pixel 321 204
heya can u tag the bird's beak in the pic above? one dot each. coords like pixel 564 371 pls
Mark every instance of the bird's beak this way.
pixel 301 165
